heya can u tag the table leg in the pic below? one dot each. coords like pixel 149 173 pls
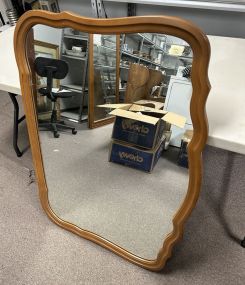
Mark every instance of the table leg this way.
pixel 17 121
pixel 243 243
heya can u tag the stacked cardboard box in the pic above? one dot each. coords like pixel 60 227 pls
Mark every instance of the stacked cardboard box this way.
pixel 133 156
pixel 139 134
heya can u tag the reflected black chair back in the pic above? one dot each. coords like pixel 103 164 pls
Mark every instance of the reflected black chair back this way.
pixel 59 67
pixel 53 69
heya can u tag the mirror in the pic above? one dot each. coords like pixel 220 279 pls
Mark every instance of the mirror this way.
pixel 114 128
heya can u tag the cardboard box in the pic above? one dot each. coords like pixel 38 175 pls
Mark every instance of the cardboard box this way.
pixel 132 156
pixel 167 134
pixel 150 103
pixel 140 125
pixel 183 155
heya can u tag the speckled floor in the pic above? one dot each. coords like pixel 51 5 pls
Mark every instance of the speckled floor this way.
pixel 130 208
pixel 33 250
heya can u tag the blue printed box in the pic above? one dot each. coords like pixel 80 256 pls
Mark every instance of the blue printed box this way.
pixel 138 133
pixel 132 156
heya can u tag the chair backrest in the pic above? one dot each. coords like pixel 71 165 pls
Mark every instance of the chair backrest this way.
pixel 42 65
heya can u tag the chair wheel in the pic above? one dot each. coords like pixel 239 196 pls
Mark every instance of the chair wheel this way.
pixel 56 135
pixel 243 243
pixel 74 132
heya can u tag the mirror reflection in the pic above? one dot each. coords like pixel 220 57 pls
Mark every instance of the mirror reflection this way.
pixel 105 74
pixel 114 127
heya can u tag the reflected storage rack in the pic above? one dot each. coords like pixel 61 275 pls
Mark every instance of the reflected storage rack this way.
pixel 74 50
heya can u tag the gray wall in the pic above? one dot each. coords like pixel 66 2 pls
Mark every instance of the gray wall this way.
pixel 84 8
pixel 47 34
pixel 219 23
pixel 230 24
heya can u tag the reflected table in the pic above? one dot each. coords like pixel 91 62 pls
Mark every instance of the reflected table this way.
pixel 9 78
pixel 226 74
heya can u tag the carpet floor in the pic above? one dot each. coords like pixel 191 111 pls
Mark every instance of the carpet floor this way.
pixel 33 250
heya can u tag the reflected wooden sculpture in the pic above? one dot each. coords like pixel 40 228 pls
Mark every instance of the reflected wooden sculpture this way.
pixel 140 82
pixel 156 77
pixel 138 77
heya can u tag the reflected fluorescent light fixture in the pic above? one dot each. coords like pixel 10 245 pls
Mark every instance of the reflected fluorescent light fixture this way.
pixel 225 5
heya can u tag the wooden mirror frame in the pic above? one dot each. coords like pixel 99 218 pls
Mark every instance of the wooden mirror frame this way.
pixel 200 83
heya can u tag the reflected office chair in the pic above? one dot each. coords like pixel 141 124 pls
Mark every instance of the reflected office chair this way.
pixel 53 69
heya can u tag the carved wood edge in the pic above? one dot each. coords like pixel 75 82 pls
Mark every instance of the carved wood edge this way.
pixel 156 24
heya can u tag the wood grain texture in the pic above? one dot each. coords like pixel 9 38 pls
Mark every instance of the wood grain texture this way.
pixel 155 79
pixel 91 82
pixel 118 48
pixel 138 76
pixel 150 24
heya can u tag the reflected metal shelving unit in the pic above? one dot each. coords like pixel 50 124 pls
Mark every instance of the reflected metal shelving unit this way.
pixel 76 80
pixel 151 50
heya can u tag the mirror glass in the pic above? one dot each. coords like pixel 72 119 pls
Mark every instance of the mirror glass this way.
pixel 119 171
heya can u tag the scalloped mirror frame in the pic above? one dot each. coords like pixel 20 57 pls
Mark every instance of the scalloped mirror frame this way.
pixel 200 84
